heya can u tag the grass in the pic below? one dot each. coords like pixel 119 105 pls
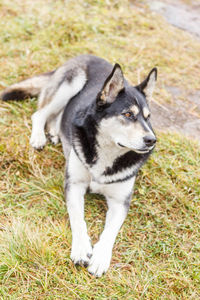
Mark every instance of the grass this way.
pixel 157 252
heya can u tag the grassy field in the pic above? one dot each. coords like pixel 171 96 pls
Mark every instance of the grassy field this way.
pixel 157 252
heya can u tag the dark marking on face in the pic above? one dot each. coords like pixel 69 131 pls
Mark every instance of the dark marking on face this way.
pixel 146 125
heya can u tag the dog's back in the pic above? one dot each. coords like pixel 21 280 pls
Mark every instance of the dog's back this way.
pixel 97 69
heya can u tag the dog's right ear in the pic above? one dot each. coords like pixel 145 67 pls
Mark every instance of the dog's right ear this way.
pixel 112 86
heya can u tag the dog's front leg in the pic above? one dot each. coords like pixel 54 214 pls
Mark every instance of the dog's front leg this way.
pixel 75 188
pixel 102 251
pixel 81 246
pixel 116 214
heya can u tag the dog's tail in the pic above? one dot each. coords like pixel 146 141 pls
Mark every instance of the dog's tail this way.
pixel 27 88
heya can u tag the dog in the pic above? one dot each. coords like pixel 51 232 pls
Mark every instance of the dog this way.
pixel 104 125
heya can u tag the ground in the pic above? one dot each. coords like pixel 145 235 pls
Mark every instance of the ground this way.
pixel 183 114
pixel 157 252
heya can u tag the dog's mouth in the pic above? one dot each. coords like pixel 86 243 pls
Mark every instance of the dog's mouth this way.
pixel 141 151
pixel 121 145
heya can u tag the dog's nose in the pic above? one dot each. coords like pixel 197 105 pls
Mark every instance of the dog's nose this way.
pixel 149 140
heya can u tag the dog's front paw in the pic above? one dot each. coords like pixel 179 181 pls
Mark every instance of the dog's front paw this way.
pixel 81 251
pixel 100 260
pixel 38 140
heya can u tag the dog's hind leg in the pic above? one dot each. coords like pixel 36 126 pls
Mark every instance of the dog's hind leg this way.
pixel 53 128
pixel 64 92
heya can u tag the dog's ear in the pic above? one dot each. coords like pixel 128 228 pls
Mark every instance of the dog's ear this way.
pixel 112 86
pixel 147 86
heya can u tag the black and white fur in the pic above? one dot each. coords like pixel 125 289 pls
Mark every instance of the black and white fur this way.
pixel 103 123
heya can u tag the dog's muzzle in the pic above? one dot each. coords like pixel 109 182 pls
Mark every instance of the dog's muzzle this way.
pixel 149 140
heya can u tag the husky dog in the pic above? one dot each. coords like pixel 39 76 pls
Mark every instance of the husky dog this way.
pixel 103 123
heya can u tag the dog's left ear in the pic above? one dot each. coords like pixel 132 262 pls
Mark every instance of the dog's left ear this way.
pixel 147 86
pixel 112 86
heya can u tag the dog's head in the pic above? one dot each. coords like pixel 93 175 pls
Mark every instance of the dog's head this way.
pixel 124 110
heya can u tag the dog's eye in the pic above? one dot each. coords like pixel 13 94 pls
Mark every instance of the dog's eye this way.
pixel 128 114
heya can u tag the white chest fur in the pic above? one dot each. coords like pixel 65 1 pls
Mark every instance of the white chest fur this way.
pixel 108 152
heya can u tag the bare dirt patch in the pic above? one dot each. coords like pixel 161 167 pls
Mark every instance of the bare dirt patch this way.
pixel 183 115
pixel 182 14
